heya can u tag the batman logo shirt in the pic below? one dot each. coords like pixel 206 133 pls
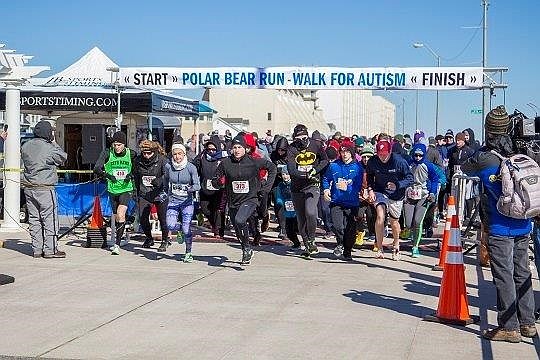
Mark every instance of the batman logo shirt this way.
pixel 305 160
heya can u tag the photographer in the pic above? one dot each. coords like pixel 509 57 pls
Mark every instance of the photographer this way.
pixel 41 156
pixel 508 238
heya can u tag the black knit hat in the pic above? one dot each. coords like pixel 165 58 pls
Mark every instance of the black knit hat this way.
pixel 497 121
pixel 240 140
pixel 119 137
pixel 300 130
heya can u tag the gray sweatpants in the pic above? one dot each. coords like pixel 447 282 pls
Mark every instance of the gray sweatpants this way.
pixel 305 205
pixel 43 222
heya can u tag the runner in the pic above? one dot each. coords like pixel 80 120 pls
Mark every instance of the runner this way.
pixel 182 181
pixel 388 175
pixel 421 195
pixel 342 182
pixel 210 197
pixel 240 175
pixel 306 160
pixel 116 165
pixel 149 181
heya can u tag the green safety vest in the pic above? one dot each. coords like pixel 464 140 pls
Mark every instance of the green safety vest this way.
pixel 119 167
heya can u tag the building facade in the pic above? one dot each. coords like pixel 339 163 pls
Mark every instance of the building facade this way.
pixel 357 112
pixel 268 109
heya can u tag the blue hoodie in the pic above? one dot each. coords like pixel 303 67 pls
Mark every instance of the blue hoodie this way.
pixel 353 173
pixel 433 179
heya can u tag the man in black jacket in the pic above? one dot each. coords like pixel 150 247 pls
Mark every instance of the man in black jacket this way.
pixel 306 160
pixel 240 175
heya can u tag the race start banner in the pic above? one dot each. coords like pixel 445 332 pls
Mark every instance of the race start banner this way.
pixel 312 78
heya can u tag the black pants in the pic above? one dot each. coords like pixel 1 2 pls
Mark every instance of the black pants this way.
pixel 441 200
pixel 291 228
pixel 144 217
pixel 367 215
pixel 239 218
pixel 429 217
pixel 305 204
pixel 209 205
pixel 344 223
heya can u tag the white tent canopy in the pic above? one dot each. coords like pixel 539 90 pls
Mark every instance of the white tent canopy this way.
pixel 89 70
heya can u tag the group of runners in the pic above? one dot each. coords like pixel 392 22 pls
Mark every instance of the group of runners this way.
pixel 350 186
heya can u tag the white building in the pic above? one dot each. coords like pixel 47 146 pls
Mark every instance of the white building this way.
pixel 357 112
pixel 267 109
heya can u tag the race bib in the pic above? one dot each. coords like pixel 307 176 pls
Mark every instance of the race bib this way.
pixel 120 174
pixel 305 168
pixel 341 184
pixel 147 180
pixel 240 187
pixel 289 206
pixel 414 193
pixel 209 185
pixel 179 190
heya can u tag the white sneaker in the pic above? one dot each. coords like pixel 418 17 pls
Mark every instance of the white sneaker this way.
pixel 396 255
pixel 115 250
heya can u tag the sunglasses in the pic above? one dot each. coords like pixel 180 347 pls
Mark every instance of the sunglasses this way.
pixel 147 152
pixel 418 155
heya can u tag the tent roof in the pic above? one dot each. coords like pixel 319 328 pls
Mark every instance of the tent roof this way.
pixel 89 70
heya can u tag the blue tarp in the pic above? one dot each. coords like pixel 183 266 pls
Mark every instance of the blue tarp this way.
pixel 78 199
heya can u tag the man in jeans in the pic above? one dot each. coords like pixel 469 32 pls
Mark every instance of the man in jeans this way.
pixel 508 238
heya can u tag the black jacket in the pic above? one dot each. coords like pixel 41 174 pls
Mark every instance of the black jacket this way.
pixel 149 176
pixel 206 167
pixel 301 161
pixel 457 156
pixel 241 178
pixel 278 159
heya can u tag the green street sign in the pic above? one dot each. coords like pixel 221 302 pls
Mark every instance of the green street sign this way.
pixel 476 111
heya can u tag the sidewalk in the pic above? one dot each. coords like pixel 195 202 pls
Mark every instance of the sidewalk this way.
pixel 143 304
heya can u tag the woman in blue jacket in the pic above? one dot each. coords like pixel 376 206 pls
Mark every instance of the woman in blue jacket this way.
pixel 420 195
pixel 341 183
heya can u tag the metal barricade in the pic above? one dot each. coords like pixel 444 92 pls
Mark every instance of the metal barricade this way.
pixel 464 188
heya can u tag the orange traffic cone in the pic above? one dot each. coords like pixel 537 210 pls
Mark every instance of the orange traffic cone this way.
pixel 97 216
pixel 450 211
pixel 96 233
pixel 453 305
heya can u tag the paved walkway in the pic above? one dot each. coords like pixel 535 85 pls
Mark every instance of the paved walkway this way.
pixel 142 304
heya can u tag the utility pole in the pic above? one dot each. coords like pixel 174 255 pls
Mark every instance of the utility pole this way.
pixel 416 123
pixel 485 4
pixel 403 116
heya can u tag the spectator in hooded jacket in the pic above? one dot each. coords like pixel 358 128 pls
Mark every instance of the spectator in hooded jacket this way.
pixel 279 158
pixel 149 173
pixel 40 157
pixel 508 238
pixel 470 140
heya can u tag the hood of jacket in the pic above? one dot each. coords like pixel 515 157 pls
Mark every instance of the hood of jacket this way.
pixel 419 147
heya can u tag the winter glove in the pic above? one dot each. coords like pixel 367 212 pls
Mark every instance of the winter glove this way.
pixel 128 177
pixel 327 196
pixel 109 177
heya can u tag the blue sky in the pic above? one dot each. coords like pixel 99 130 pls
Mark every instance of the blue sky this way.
pixel 366 33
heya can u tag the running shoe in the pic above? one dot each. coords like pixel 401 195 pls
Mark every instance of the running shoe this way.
pixel 359 241
pixel 124 242
pixel 247 255
pixel 188 258
pixel 415 252
pixel 312 248
pixel 396 255
pixel 338 250
pixel 375 248
pixel 379 255
pixel 200 219
pixel 115 250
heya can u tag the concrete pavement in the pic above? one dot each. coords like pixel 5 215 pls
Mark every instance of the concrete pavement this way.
pixel 142 304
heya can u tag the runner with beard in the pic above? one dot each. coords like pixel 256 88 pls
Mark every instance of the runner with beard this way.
pixel 207 163
pixel 306 160
pixel 239 173
pixel 149 175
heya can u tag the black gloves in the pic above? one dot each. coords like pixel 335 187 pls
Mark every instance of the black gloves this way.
pixel 128 177
pixel 155 182
pixel 110 177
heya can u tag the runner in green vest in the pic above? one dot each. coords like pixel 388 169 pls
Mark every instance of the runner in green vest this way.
pixel 116 165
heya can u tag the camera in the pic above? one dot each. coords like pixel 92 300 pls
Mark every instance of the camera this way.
pixel 525 133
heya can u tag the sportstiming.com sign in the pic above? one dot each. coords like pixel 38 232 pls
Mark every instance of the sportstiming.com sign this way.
pixel 315 78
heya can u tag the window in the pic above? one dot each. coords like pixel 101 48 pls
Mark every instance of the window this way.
pixel 269 116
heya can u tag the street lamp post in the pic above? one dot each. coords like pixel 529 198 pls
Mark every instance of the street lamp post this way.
pixel 422 45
